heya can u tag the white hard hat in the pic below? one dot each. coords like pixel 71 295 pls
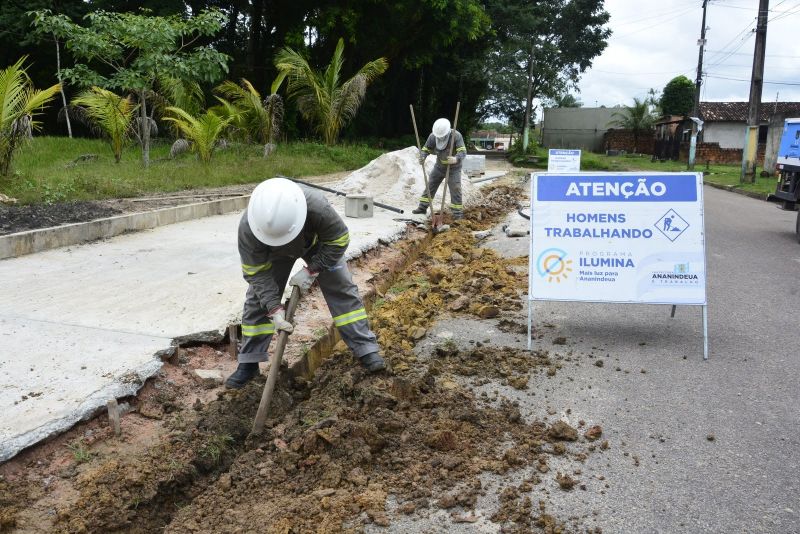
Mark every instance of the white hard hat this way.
pixel 276 211
pixel 441 128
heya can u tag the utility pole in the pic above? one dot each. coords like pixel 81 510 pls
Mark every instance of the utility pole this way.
pixel 698 83
pixel 750 152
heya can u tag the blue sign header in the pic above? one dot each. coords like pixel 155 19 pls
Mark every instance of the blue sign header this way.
pixel 563 152
pixel 620 188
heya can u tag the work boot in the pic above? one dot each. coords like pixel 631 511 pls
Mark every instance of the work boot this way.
pixel 419 210
pixel 457 216
pixel 243 374
pixel 373 362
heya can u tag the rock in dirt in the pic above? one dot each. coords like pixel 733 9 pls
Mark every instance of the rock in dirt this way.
pixel 593 433
pixel 561 431
pixel 487 312
pixel 565 481
pixel 457 258
pixel 417 332
pixel 446 502
pixel 459 304
pixel 209 377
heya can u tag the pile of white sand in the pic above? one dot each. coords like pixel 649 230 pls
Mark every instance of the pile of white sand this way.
pixel 396 178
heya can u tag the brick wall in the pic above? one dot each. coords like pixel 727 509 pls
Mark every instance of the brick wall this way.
pixel 623 140
pixel 712 153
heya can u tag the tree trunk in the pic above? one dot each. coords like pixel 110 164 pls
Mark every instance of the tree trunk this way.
pixel 528 103
pixel 254 58
pixel 145 126
pixel 61 84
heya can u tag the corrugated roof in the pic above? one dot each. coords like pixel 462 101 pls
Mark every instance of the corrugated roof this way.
pixel 737 111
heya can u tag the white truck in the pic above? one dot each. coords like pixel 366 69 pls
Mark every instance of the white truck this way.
pixel 788 166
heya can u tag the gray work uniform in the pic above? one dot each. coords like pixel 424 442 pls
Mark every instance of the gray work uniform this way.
pixel 322 244
pixel 440 169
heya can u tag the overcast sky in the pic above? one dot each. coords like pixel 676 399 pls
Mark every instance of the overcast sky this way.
pixel 656 40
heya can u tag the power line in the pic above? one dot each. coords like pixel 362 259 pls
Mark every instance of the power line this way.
pixel 716 77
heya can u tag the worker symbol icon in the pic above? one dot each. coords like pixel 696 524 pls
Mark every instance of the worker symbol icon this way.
pixel 671 225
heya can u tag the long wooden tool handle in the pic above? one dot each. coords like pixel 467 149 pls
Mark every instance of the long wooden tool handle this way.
pixel 280 345
pixel 424 172
pixel 449 154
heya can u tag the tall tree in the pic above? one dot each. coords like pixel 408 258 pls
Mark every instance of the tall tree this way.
pixel 540 51
pixel 678 96
pixel 637 118
pixel 322 97
pixel 131 52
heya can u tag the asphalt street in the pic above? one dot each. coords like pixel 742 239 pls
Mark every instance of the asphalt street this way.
pixel 695 446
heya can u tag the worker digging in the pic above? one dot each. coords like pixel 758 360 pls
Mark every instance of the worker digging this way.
pixel 285 221
pixel 440 143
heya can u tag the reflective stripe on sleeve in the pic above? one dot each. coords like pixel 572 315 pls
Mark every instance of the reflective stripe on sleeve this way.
pixel 253 269
pixel 350 317
pixel 253 330
pixel 341 241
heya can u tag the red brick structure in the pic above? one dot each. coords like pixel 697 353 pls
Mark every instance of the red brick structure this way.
pixel 712 153
pixel 623 140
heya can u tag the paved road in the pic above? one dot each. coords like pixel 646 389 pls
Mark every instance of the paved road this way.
pixel 747 396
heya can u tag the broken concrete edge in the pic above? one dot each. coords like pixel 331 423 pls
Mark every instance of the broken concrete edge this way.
pixel 89 408
pixel 734 189
pixel 322 349
pixel 22 243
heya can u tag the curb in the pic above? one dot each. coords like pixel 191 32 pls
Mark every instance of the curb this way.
pixel 22 243
pixel 734 189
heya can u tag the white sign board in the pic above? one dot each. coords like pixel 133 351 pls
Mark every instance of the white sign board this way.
pixel 618 237
pixel 559 160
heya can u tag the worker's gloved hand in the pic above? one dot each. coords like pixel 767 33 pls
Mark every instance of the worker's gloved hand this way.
pixel 303 279
pixel 451 160
pixel 422 156
pixel 278 317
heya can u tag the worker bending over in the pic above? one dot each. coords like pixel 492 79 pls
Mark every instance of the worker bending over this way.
pixel 438 143
pixel 285 221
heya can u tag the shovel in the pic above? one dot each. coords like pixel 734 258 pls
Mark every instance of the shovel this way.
pixel 280 346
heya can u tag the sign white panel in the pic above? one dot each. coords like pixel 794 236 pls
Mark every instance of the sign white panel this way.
pixel 559 160
pixel 618 237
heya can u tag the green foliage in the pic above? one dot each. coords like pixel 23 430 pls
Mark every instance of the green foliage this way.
pixel 540 50
pixel 80 452
pixel 322 98
pixel 259 119
pixel 203 131
pixel 20 104
pixel 216 446
pixel 110 113
pixel 678 96
pixel 51 169
pixel 566 100
pixel 131 52
pixel 637 118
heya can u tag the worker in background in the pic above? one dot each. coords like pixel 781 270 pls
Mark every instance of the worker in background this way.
pixel 285 221
pixel 438 144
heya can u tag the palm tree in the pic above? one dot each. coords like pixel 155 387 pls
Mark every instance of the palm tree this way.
pixel 109 113
pixel 19 105
pixel 321 97
pixel 203 130
pixel 637 118
pixel 259 118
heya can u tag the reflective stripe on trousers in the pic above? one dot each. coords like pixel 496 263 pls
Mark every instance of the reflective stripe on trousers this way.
pixel 344 303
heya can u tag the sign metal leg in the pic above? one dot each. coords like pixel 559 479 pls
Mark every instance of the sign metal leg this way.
pixel 672 313
pixel 705 332
pixel 530 317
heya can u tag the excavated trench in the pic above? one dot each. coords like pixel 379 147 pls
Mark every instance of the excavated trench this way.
pixel 344 450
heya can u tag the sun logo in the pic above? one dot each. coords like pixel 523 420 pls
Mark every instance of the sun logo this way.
pixel 553 265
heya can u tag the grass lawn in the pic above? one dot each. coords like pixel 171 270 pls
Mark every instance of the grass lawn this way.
pixel 47 170
pixel 726 175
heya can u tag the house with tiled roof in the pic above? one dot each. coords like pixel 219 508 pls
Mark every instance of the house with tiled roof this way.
pixel 725 122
